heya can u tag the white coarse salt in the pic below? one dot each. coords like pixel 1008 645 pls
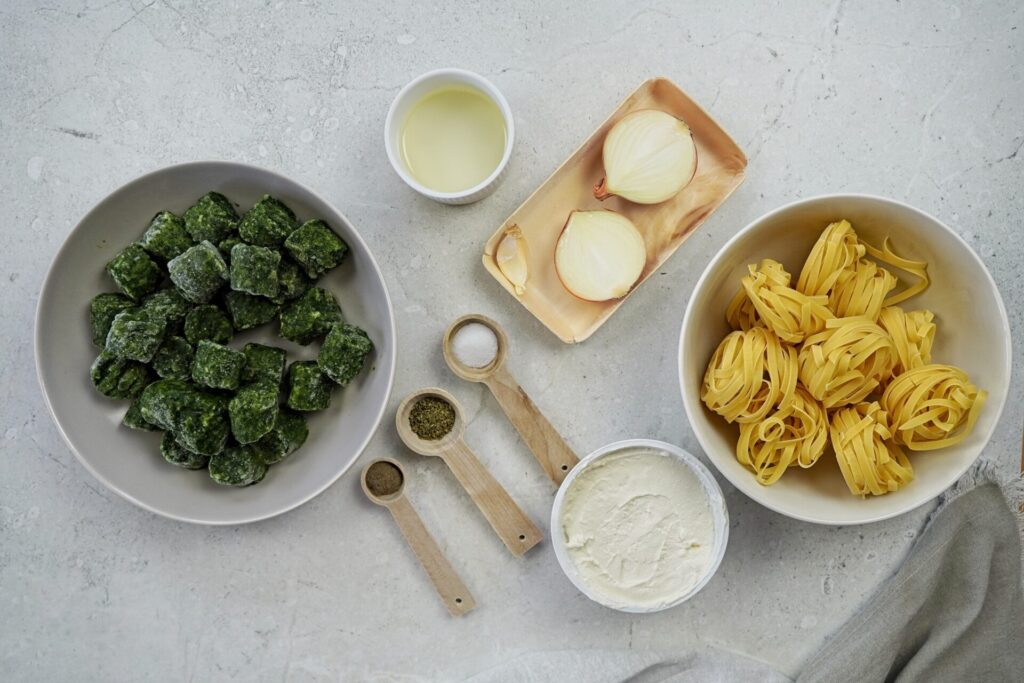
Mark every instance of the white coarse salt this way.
pixel 475 345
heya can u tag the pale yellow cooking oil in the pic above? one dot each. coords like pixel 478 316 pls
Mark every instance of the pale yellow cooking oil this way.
pixel 453 138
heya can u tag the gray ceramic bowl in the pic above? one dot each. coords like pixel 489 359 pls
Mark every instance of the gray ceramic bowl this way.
pixel 128 462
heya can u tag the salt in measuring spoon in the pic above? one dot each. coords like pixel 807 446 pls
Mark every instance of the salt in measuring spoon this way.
pixel 546 444
pixel 449 586
pixel 511 524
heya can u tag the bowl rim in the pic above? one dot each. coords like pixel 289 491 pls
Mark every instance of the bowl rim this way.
pixel 488 89
pixel 716 500
pixel 690 408
pixel 47 285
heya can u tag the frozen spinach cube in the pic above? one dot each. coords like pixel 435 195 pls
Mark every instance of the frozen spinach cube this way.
pixel 226 245
pixel 162 401
pixel 316 247
pixel 289 432
pixel 135 335
pixel 179 456
pixel 133 419
pixel 211 219
pixel 207 322
pixel 292 281
pixel 166 236
pixel 102 310
pixel 308 388
pixel 310 316
pixel 254 270
pixel 263 363
pixel 116 377
pixel 134 272
pixel 217 366
pixel 173 360
pixel 202 425
pixel 267 223
pixel 343 352
pixel 248 311
pixel 198 272
pixel 253 411
pixel 168 305
pixel 237 466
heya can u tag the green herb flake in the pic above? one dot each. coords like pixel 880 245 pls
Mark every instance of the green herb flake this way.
pixel 248 311
pixel 343 352
pixel 133 419
pixel 253 411
pixel 289 433
pixel 310 316
pixel 254 270
pixel 102 310
pixel 212 218
pixel 179 456
pixel 173 360
pixel 316 247
pixel 199 272
pixel 267 223
pixel 118 377
pixel 217 366
pixel 166 236
pixel 237 466
pixel 134 272
pixel 208 322
pixel 135 335
pixel 308 388
pixel 263 363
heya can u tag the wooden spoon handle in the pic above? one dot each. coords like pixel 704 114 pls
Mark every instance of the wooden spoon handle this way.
pixel 547 445
pixel 454 594
pixel 511 524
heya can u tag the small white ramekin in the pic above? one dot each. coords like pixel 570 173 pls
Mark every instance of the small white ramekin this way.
pixel 410 95
pixel 719 514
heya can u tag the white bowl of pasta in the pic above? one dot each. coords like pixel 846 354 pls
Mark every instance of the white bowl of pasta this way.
pixel 820 394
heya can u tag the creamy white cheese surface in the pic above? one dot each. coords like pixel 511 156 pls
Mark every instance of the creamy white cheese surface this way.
pixel 638 527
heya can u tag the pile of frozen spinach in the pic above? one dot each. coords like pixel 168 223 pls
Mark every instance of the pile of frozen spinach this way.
pixel 185 288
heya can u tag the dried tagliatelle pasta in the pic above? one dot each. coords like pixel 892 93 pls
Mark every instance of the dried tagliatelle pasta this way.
pixel 765 297
pixel 860 289
pixel 794 436
pixel 870 462
pixel 932 406
pixel 750 372
pixel 912 334
pixel 836 249
pixel 919 269
pixel 846 361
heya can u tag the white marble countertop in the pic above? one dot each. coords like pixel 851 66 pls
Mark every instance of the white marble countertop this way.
pixel 918 101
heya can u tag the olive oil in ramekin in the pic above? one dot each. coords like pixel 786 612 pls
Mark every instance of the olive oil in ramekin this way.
pixel 453 138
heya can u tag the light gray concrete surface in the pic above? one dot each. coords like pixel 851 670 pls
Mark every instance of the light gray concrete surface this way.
pixel 918 101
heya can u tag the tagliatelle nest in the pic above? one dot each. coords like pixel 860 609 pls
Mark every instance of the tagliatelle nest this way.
pixel 750 372
pixel 846 361
pixel 766 298
pixel 794 436
pixel 870 462
pixel 932 406
pixel 912 334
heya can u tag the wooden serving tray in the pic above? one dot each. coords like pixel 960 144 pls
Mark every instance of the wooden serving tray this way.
pixel 720 168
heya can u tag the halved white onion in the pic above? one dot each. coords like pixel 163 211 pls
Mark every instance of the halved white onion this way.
pixel 599 255
pixel 649 156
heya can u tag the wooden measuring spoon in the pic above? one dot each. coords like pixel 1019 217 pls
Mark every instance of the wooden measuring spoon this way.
pixel 511 524
pixel 449 586
pixel 547 445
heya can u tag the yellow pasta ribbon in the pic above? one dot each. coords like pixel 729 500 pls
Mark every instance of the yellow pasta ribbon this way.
pixel 860 290
pixel 765 297
pixel 870 462
pixel 836 249
pixel 846 361
pixel 750 373
pixel 794 436
pixel 919 269
pixel 932 406
pixel 912 335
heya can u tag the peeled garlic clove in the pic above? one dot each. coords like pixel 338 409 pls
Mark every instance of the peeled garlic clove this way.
pixel 649 156
pixel 511 256
pixel 599 255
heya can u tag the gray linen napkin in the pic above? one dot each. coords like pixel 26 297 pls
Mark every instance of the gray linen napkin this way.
pixel 954 611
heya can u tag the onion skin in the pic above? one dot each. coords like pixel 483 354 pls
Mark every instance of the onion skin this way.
pixel 650 154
